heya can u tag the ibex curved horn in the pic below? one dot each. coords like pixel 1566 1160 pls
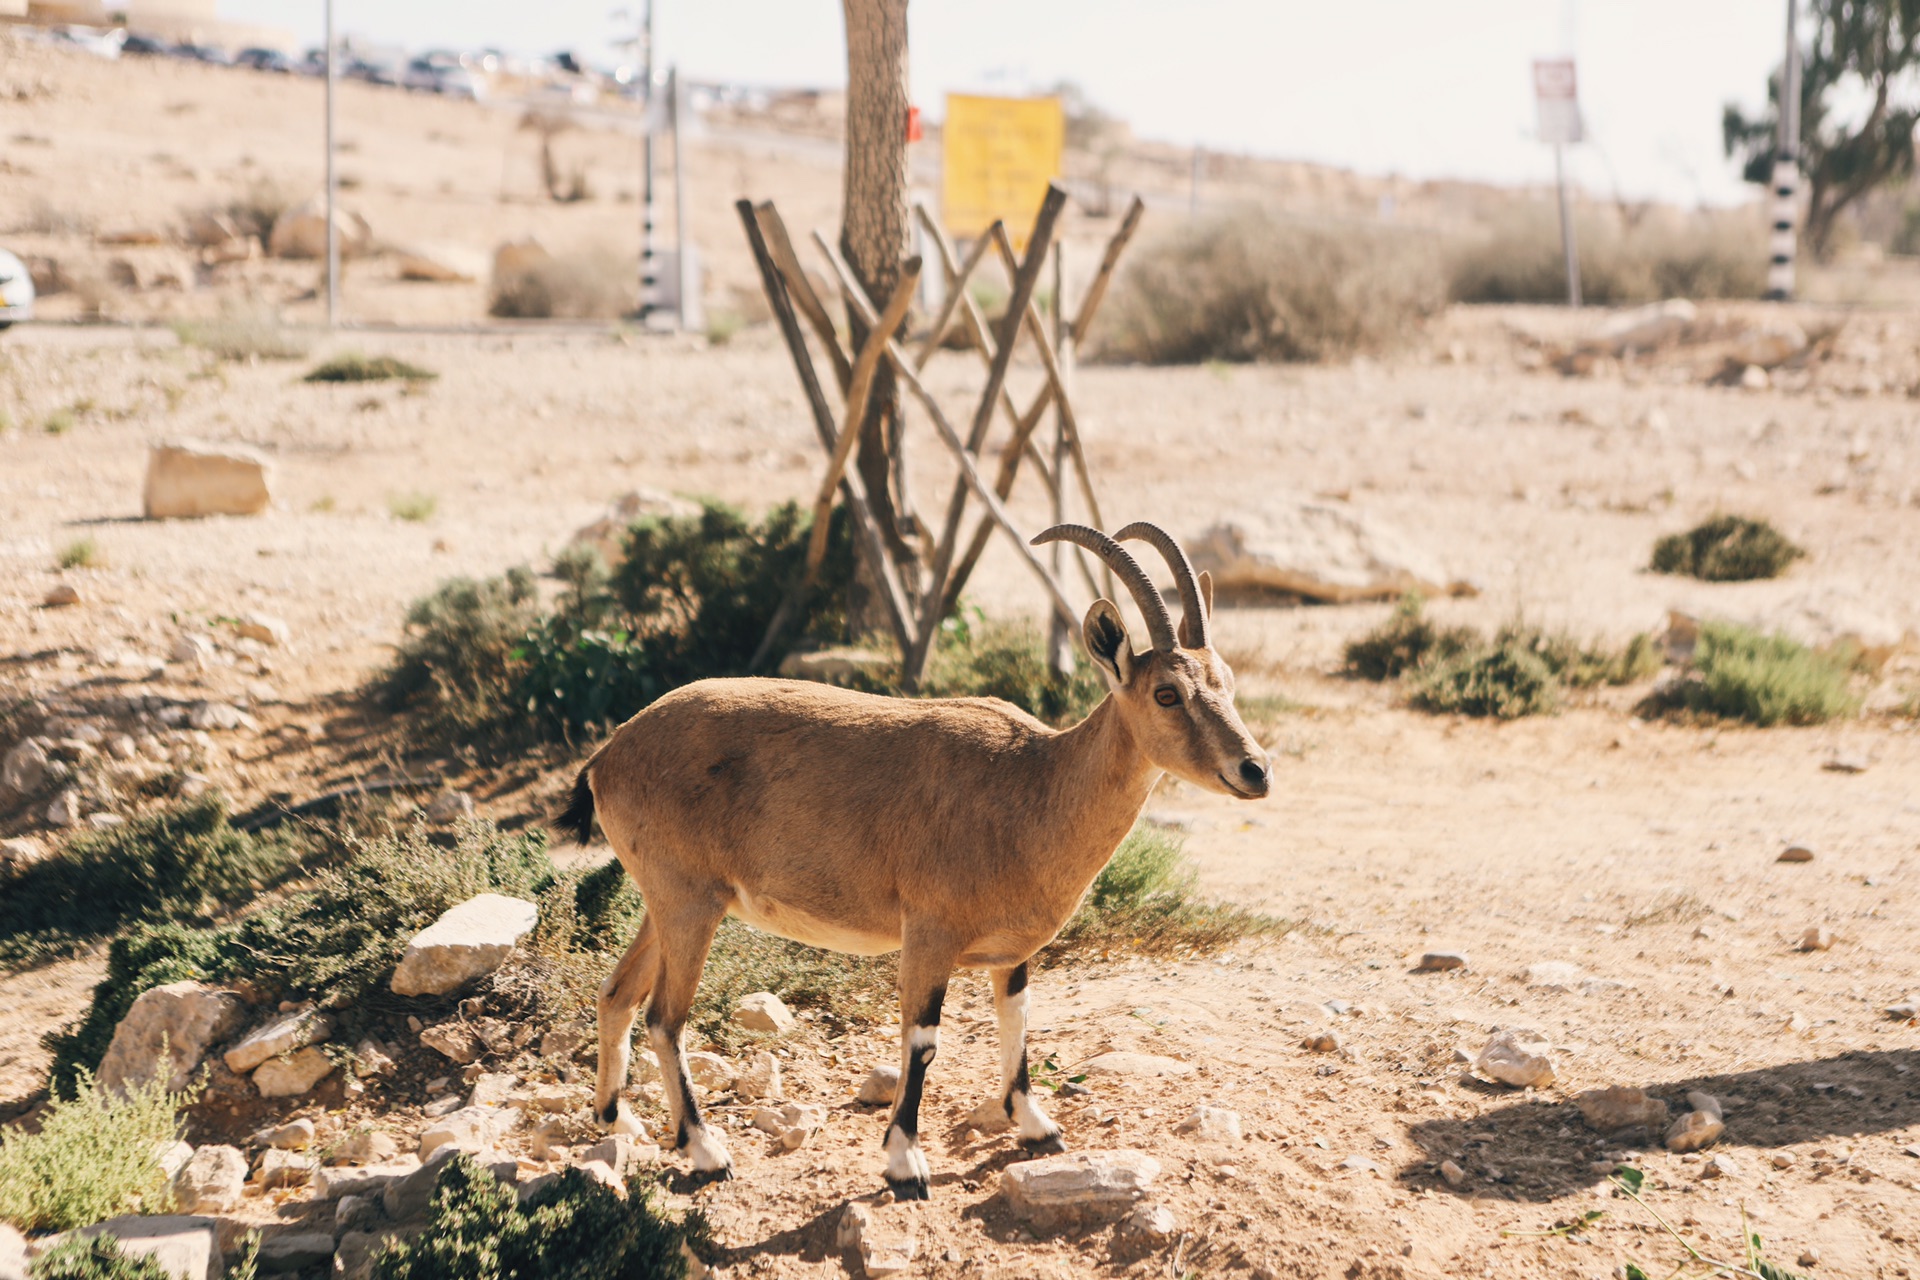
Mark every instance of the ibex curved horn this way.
pixel 1145 594
pixel 1195 612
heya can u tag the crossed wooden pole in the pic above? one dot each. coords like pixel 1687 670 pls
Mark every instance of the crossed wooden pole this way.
pixel 915 606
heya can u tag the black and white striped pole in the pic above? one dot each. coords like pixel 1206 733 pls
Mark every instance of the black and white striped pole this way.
pixel 649 252
pixel 1786 171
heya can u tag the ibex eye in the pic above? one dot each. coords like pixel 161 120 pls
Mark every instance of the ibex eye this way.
pixel 1167 696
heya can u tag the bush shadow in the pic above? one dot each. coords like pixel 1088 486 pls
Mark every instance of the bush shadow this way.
pixel 1542 1150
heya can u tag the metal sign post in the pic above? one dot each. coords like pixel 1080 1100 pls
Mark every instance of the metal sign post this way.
pixel 1556 97
pixel 1786 170
pixel 333 228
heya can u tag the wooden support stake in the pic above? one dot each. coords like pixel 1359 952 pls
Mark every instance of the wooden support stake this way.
pixel 800 289
pixel 956 275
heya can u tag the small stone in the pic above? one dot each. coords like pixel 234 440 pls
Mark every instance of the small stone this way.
pixel 278 1168
pixel 456 1040
pixel 620 1153
pixel 1907 1010
pixel 1783 1160
pixel 1037 1190
pixel 548 1139
pixel 20 852
pixel 182 1245
pixel 560 1044
pixel 1154 1223
pixel 449 807
pixel 1620 1107
pixel 295 1135
pixel 469 941
pixel 1322 1042
pixel 1754 378
pixel 1455 1176
pixel 211 1181
pixel 788 1115
pixel 1795 853
pixel 218 715
pixel 355 1213
pixel 24 769
pixel 65 809
pixel 1360 1164
pixel 265 629
pixel 62 595
pixel 600 1173
pixel 491 1088
pixel 367 1146
pixel 369 1059
pixel 184 1018
pixel 880 1086
pixel 284 1034
pixel 1719 1167
pixel 1694 1131
pixel 884 1236
pixel 442 1106
pixel 763 1011
pixel 105 821
pixel 710 1071
pixel 1809 1257
pixel 795 1138
pixel 291 1251
pixel 1705 1102
pixel 292 1075
pixel 1818 938
pixel 1211 1124
pixel 760 1078
pixel 1441 961
pixel 369 1181
pixel 1518 1057
pixel 188 478
pixel 469 1129
pixel 1553 975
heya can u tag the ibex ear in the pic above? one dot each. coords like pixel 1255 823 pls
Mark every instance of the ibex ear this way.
pixel 1206 602
pixel 1106 638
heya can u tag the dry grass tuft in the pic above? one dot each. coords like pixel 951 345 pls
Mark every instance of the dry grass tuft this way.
pixel 1701 255
pixel 593 285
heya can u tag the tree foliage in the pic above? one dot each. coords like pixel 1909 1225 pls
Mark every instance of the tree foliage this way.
pixel 1855 50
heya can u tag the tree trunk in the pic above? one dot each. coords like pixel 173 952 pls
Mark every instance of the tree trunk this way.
pixel 874 236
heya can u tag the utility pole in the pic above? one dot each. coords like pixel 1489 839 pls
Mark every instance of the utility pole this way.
pixel 1566 225
pixel 1786 170
pixel 333 228
pixel 649 258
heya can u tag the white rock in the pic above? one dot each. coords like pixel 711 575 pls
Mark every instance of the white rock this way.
pixel 710 1070
pixel 369 1059
pixel 620 1153
pixel 105 821
pixel 1039 1189
pixel 1644 328
pixel 65 810
pixel 491 1089
pixel 445 1105
pixel 1818 938
pixel 24 770
pixel 188 478
pixel 1151 1222
pixel 469 1129
pixel 185 1247
pixel 884 1235
pixel 1517 1057
pixel 449 806
pixel 795 1138
pixel 294 1135
pixel 1769 345
pixel 172 1156
pixel 1754 378
pixel 1455 1176
pixel 367 1146
pixel 277 1168
pixel 760 1078
pixel 185 1017
pixel 1620 1107
pixel 13 1254
pixel 19 852
pixel 266 629
pixel 283 1034
pixel 1553 975
pixel 789 1115
pixel 195 652
pixel 212 1181
pixel 1694 1130
pixel 301 232
pixel 1321 550
pixel 1211 1124
pixel 1705 1102
pixel 456 1040
pixel 440 263
pixel 1719 1167
pixel 292 1075
pixel 763 1011
pixel 210 714
pixel 470 940
pixel 353 1212
pixel 368 1181
pixel 880 1086
pixel 291 1251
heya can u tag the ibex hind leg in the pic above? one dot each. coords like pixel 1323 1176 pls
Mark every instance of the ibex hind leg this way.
pixel 1038 1133
pixel 924 969
pixel 685 940
pixel 621 995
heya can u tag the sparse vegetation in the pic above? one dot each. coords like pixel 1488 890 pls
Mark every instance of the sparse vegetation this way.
pixel 1726 548
pixel 1406 641
pixel 1144 902
pixel 244 333
pixel 1582 665
pixel 722 326
pixel 93 1157
pixel 982 659
pixel 59 422
pixel 1739 673
pixel 1255 285
pixel 81 553
pixel 413 506
pixel 1700 255
pixel 1506 680
pixel 574 286
pixel 94 1258
pixel 355 366
pixel 478 1230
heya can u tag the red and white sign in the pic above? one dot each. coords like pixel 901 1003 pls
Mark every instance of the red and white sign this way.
pixel 1557 99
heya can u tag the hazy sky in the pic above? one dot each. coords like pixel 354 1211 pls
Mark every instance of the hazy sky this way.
pixel 1426 88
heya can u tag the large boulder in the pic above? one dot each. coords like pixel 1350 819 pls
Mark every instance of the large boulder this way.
pixel 284 1034
pixel 470 940
pixel 301 232
pixel 292 1075
pixel 13 1254
pixel 1321 550
pixel 186 1247
pixel 187 478
pixel 184 1018
pixel 212 1181
pixel 441 263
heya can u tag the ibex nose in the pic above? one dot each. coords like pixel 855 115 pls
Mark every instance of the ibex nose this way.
pixel 1254 774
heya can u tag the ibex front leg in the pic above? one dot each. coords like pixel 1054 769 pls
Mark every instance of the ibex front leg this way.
pixel 1038 1134
pixel 924 968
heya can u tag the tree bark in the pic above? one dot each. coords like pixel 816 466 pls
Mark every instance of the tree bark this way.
pixel 874 237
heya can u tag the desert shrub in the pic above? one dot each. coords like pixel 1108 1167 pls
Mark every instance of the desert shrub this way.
pixel 244 333
pixel 1406 641
pixel 145 958
pixel 1583 664
pixel 1254 285
pixel 412 506
pixel 1144 902
pixel 1726 548
pixel 574 286
pixel 457 659
pixel 1739 673
pixel 94 1258
pixel 477 1229
pixel 355 366
pixel 1504 681
pixel 81 553
pixel 254 211
pixel 1518 258
pixel 93 1157
pixel 976 658
pixel 185 860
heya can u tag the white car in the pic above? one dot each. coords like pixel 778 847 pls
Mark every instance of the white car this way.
pixel 16 290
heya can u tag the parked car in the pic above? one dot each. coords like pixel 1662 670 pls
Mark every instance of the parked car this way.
pixel 146 45
pixel 16 290
pixel 210 54
pixel 458 82
pixel 264 60
pixel 421 76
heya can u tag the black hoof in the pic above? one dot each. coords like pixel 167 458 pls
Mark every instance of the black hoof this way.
pixel 610 1112
pixel 908 1188
pixel 701 1177
pixel 1051 1145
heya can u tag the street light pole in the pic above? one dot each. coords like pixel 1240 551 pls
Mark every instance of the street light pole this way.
pixel 333 229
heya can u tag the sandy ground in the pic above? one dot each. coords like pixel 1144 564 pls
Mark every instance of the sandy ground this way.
pixel 1644 853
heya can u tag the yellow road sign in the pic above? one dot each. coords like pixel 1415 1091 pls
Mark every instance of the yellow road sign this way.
pixel 1000 155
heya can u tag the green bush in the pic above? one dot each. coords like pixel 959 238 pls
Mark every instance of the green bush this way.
pixel 183 861
pixel 356 366
pixel 1580 665
pixel 1405 642
pixel 458 661
pixel 1504 681
pixel 1143 902
pixel 573 1226
pixel 1726 548
pixel 1257 285
pixel 1742 674
pixel 980 659
pixel 94 1258
pixel 94 1157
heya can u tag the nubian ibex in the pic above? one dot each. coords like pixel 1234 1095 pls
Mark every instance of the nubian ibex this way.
pixel 962 832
